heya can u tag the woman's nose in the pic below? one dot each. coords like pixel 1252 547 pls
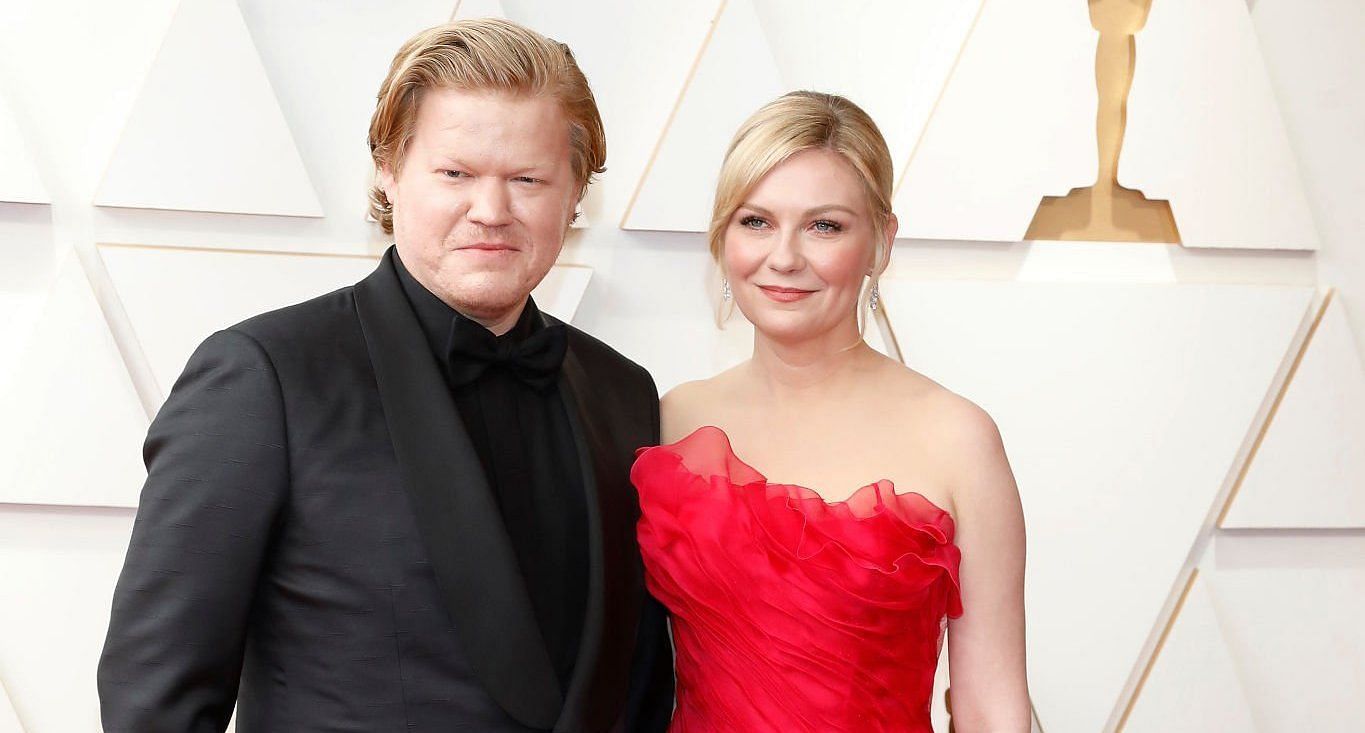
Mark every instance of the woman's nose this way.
pixel 786 254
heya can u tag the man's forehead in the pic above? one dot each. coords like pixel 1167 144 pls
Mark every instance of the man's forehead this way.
pixel 456 104
pixel 508 130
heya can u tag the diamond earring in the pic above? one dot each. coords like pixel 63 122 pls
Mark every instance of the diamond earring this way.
pixel 725 289
pixel 875 298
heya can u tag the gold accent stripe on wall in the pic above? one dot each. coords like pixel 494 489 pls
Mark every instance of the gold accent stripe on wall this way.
pixel 668 123
pixel 1274 407
pixel 241 251
pixel 1156 653
pixel 952 71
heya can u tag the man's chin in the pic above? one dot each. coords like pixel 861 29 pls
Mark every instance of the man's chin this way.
pixel 485 306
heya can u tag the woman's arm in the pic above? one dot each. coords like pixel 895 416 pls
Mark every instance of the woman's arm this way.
pixel 986 644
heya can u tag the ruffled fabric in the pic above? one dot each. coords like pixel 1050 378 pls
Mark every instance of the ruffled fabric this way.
pixel 791 613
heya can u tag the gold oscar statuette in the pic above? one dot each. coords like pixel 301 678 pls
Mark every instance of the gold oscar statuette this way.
pixel 1107 211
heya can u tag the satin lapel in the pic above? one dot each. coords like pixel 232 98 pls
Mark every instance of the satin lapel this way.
pixel 459 522
pixel 597 689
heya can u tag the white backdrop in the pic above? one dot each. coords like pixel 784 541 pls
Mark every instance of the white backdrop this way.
pixel 1185 421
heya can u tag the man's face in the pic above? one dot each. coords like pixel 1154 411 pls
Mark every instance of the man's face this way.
pixel 483 198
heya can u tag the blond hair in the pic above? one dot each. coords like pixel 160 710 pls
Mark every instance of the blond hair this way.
pixel 792 123
pixel 482 54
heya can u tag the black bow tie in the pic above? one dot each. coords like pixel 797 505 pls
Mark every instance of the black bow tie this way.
pixel 535 360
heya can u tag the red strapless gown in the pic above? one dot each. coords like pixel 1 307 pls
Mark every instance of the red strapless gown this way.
pixel 791 613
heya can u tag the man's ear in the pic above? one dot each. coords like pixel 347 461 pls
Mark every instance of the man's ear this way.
pixel 386 180
pixel 576 203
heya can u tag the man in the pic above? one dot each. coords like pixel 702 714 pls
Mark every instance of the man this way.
pixel 405 505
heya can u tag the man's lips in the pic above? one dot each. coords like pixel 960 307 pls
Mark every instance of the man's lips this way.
pixel 489 247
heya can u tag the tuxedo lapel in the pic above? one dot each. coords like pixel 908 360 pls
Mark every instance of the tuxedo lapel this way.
pixel 471 554
pixel 598 686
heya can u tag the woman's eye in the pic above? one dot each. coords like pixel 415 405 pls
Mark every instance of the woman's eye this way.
pixel 752 222
pixel 825 226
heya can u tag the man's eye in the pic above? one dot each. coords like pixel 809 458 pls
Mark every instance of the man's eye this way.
pixel 527 179
pixel 454 174
pixel 752 222
pixel 825 226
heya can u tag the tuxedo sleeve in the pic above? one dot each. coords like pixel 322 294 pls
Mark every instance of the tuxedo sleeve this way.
pixel 649 704
pixel 218 475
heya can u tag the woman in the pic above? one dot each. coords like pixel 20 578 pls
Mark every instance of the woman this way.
pixel 800 603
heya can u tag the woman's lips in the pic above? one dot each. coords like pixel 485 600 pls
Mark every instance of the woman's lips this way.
pixel 784 295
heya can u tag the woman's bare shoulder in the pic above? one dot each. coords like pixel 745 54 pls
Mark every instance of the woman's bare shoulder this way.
pixel 691 405
pixel 965 429
pixel 971 453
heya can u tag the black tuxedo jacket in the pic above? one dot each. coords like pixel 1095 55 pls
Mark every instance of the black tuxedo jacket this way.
pixel 316 542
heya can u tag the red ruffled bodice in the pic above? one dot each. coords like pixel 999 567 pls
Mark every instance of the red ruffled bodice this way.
pixel 791 613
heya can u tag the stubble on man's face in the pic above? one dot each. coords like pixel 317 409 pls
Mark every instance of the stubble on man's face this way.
pixel 483 199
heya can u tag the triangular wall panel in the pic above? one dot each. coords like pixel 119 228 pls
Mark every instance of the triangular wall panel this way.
pixel 1016 122
pixel 562 290
pixel 206 132
pixel 22 310
pixel 892 58
pixel 73 424
pixel 19 181
pixel 328 95
pixel 1294 630
pixel 477 9
pixel 1193 686
pixel 60 566
pixel 213 289
pixel 9 720
pixel 676 189
pixel 72 71
pixel 1122 408
pixel 889 57
pixel 1204 131
pixel 1309 470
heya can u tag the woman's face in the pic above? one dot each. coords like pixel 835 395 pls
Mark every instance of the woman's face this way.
pixel 798 247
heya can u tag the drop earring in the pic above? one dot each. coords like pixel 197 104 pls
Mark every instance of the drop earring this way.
pixel 725 293
pixel 874 298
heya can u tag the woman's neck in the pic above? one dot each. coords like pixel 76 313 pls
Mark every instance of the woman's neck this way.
pixel 826 364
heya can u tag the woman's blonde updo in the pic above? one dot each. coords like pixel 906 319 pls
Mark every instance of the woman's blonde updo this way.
pixel 790 124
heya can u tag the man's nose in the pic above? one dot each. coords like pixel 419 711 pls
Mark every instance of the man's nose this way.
pixel 490 204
